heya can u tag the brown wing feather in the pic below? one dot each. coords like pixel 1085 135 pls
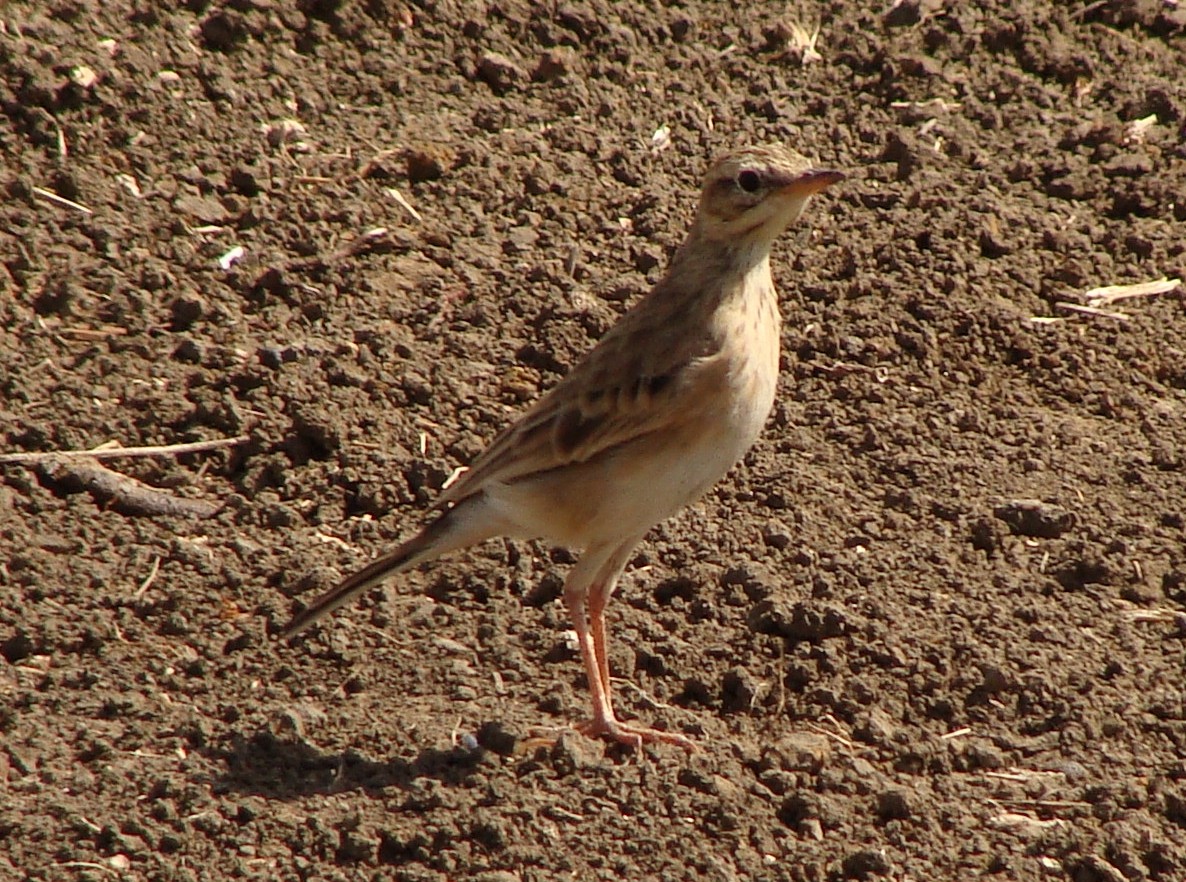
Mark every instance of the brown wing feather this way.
pixel 623 388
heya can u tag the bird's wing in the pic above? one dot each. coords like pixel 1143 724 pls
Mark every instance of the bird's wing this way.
pixel 641 378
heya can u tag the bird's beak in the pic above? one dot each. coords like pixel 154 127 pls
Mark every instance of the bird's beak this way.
pixel 812 181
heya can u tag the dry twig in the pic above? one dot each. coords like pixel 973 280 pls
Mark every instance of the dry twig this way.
pixel 123 493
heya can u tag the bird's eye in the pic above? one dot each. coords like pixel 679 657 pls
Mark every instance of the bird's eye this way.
pixel 749 181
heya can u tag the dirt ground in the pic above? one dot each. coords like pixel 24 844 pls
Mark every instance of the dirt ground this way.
pixel 932 628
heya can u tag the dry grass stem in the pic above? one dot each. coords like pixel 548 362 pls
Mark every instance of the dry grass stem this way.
pixel 149 579
pixel 108 451
pixel 403 203
pixel 1136 131
pixel 454 476
pixel 1161 615
pixel 804 42
pixel 1090 311
pixel 61 200
pixel 1106 296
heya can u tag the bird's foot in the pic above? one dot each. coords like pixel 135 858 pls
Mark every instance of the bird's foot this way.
pixel 634 736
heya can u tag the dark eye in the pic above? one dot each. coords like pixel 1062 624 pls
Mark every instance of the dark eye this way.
pixel 749 181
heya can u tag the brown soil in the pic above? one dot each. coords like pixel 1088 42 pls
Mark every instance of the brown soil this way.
pixel 931 629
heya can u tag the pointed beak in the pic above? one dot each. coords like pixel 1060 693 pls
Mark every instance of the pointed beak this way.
pixel 812 181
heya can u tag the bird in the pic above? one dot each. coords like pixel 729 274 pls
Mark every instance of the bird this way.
pixel 658 411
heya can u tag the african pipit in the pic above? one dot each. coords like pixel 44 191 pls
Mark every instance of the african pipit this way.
pixel 645 423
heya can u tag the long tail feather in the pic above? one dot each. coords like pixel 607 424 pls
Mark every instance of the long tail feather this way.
pixel 446 533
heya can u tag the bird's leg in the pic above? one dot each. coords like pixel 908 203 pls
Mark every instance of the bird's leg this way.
pixel 586 604
pixel 576 598
pixel 597 601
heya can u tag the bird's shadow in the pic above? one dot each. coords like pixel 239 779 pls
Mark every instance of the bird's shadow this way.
pixel 263 764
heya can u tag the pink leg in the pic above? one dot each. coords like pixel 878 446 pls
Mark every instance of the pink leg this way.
pixel 587 601
pixel 598 599
pixel 603 712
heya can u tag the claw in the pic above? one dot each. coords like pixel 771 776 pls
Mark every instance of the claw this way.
pixel 634 736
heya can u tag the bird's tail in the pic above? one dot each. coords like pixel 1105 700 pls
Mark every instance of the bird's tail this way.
pixel 453 529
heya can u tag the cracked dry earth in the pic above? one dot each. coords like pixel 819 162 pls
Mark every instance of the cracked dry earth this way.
pixel 932 627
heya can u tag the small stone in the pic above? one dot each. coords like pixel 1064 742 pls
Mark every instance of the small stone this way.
pixel 876 727
pixel 499 72
pixel 225 30
pixel 739 691
pixel 295 722
pixel 84 77
pixel 428 162
pixel 777 501
pixel 865 863
pixel 317 426
pixel 245 179
pixel 573 751
pixel 777 535
pixel 185 309
pixel 799 752
pixel 497 876
pixel 895 803
pixel 494 737
pixel 754 580
pixel 1035 518
pixel 189 350
pixel 204 208
pixel 984 755
pixel 910 12
pixel 906 155
pixel 284 131
pixel 553 64
pixel 993 679
pixel 17 647
pixel 993 244
pixel 275 356
pixel 799 808
pixel 696 778
pixel 521 239
pixel 270 357
pixel 1128 165
pixel 681 28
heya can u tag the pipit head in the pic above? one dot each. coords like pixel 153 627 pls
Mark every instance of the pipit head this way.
pixel 750 196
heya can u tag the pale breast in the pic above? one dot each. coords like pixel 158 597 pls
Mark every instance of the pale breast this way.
pixel 751 328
